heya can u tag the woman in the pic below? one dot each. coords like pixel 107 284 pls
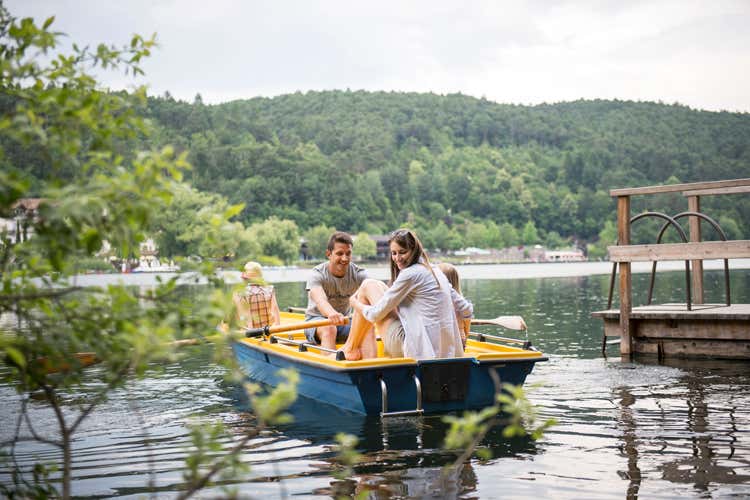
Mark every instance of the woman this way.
pixel 415 315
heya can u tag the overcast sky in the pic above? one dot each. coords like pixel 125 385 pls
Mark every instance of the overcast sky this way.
pixel 692 52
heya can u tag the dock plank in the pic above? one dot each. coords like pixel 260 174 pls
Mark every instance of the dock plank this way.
pixel 705 250
pixel 679 311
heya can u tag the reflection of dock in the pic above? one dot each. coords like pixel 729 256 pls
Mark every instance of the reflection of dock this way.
pixel 692 328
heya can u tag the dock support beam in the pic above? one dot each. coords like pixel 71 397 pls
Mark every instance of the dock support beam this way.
pixel 694 205
pixel 626 288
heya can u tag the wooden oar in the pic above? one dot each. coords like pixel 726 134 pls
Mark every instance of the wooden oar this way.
pixel 83 358
pixel 481 337
pixel 86 359
pixel 270 330
pixel 90 358
pixel 510 322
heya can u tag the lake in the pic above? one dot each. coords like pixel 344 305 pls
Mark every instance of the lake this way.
pixel 625 430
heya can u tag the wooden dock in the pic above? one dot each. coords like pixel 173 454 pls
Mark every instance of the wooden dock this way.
pixel 690 329
pixel 706 331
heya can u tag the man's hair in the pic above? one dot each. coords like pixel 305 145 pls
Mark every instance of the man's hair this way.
pixel 339 237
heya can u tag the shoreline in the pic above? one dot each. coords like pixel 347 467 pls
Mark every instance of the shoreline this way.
pixel 467 271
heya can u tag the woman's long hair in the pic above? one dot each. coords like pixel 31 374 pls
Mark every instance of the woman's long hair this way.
pixel 406 238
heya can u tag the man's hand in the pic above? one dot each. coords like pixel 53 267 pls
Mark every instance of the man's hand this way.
pixel 336 318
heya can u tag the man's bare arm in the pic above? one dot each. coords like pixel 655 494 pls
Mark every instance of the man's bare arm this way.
pixel 318 295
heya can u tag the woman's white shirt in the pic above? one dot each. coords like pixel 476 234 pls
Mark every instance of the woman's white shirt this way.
pixel 427 312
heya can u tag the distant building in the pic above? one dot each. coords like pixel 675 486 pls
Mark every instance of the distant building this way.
pixel 535 253
pixel 23 213
pixel 149 260
pixel 382 249
pixel 564 256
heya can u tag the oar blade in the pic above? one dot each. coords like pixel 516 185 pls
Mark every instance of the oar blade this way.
pixel 509 322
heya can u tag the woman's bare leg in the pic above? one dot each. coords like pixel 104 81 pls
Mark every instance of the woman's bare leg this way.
pixel 361 343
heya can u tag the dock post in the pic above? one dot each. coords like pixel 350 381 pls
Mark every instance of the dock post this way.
pixel 694 205
pixel 626 288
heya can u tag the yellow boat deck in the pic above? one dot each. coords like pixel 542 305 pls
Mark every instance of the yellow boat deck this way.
pixel 288 345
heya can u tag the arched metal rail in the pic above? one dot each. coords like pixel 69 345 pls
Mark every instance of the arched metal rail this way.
pixel 722 235
pixel 670 221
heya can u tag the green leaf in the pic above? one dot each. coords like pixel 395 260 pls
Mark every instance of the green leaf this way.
pixel 233 210
pixel 15 357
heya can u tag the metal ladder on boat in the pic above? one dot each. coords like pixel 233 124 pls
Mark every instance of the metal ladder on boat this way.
pixel 384 390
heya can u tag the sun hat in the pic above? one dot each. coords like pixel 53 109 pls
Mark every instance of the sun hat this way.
pixel 253 274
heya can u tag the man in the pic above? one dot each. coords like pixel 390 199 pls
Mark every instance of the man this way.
pixel 328 290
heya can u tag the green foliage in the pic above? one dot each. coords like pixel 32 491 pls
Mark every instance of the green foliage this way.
pixel 208 459
pixel 317 240
pixel 553 240
pixel 509 236
pixel 513 411
pixel 607 237
pixel 364 246
pixel 270 408
pixel 608 234
pixel 346 455
pixel 38 486
pixel 277 237
pixel 356 159
pixel 521 414
pixel 464 430
pixel 730 226
pixel 62 140
pixel 93 264
pixel 207 453
pixel 362 161
pixel 530 236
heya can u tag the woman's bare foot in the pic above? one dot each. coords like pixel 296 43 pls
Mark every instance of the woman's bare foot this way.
pixel 352 354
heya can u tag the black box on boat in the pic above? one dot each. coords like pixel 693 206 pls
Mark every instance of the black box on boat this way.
pixel 444 381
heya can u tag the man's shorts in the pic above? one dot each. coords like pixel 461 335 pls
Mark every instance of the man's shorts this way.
pixel 342 332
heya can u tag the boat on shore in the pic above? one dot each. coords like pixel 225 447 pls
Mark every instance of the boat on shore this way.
pixel 388 386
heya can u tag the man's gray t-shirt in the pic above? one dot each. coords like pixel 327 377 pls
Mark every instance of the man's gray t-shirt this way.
pixel 338 290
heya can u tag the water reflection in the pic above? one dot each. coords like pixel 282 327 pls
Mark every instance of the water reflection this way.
pixel 626 430
pixel 686 431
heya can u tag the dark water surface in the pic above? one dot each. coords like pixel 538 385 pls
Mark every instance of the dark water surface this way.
pixel 626 430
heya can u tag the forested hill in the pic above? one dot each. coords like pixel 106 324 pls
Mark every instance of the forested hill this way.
pixel 364 161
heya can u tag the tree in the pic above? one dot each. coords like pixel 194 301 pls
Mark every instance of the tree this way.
pixel 529 235
pixel 54 110
pixel 364 246
pixel 509 235
pixel 196 223
pixel 607 237
pixel 483 235
pixel 553 240
pixel 730 227
pixel 317 240
pixel 277 237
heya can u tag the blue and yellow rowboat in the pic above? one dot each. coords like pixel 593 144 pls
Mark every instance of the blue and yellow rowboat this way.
pixel 388 386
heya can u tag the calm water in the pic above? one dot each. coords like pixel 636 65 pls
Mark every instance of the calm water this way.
pixel 626 430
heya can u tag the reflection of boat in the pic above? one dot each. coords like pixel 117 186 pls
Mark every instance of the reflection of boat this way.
pixel 388 386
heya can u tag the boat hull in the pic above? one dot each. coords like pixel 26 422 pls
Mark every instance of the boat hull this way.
pixel 387 386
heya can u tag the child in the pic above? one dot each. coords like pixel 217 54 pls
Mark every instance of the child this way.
pixel 463 322
pixel 256 304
